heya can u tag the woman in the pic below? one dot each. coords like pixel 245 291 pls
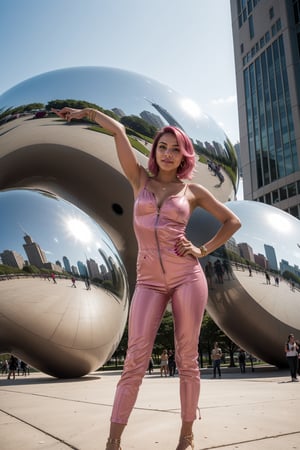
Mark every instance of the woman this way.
pixel 291 351
pixel 167 264
pixel 164 359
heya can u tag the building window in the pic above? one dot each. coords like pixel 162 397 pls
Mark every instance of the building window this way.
pixel 251 27
pixel 273 30
pixel 267 36
pixel 242 48
pixel 283 193
pixel 275 196
pixel 298 42
pixel 250 7
pixel 292 190
pixel 268 198
pixel 270 129
pixel 296 11
pixel 271 13
pixel 262 42
pixel 278 25
pixel 294 211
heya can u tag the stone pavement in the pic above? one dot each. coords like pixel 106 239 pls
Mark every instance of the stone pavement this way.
pixel 257 410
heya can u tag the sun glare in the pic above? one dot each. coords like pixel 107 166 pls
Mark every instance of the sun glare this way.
pixel 79 230
pixel 279 223
pixel 191 108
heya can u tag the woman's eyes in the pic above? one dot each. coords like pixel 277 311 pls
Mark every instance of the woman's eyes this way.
pixel 163 148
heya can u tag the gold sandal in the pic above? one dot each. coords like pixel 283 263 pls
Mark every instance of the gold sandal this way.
pixel 114 443
pixel 189 439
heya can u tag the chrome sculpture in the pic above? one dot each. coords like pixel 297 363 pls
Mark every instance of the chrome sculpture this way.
pixel 256 305
pixel 75 164
pixel 66 311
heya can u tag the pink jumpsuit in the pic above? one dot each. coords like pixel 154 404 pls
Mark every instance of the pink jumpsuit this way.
pixel 162 275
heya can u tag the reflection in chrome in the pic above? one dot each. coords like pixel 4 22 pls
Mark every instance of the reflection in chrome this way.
pixel 256 300
pixel 76 164
pixel 41 263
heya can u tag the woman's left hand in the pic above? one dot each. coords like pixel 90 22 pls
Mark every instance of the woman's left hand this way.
pixel 185 247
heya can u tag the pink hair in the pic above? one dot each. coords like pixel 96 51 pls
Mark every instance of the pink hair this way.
pixel 186 169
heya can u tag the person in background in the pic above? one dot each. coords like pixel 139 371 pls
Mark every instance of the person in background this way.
pixel 216 356
pixel 291 351
pixel 168 268
pixel 12 367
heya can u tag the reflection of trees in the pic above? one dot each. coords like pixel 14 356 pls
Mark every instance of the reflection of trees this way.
pixel 30 107
pixel 290 276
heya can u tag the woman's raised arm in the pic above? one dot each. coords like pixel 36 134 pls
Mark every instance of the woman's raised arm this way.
pixel 132 169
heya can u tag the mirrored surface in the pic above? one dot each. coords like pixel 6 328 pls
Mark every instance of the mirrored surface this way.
pixel 254 280
pixel 141 102
pixel 63 286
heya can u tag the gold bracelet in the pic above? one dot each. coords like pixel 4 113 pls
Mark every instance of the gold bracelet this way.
pixel 92 114
pixel 203 250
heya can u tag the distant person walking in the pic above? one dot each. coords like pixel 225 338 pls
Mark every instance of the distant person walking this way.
pixel 216 356
pixel 291 351
pixel 242 360
pixel 12 367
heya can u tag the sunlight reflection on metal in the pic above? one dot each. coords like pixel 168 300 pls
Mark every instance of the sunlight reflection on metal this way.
pixel 257 314
pixel 76 326
pixel 77 164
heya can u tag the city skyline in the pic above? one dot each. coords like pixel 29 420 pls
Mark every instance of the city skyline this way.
pixel 59 228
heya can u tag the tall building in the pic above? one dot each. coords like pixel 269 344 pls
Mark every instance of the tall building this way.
pixel 35 254
pixel 266 36
pixel 12 258
pixel 271 257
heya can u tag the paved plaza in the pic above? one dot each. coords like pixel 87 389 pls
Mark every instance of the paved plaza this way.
pixel 257 410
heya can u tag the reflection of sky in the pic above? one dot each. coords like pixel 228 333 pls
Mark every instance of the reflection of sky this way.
pixel 131 92
pixel 59 228
pixel 264 224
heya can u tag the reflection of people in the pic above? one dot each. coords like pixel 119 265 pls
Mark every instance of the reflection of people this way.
pixel 87 284
pixel 167 265
pixel 216 356
pixel 53 277
pixel 291 351
pixel 268 279
pixel 209 273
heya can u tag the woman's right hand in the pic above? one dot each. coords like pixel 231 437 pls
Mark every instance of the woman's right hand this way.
pixel 68 114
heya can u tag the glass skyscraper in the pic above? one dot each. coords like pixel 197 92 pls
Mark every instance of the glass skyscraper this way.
pixel 266 35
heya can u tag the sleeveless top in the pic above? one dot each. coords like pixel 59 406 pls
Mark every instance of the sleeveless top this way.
pixel 168 221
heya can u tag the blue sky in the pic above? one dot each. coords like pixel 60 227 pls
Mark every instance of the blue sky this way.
pixel 186 45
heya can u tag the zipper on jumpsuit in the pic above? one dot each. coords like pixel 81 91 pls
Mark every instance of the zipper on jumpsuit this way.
pixel 157 241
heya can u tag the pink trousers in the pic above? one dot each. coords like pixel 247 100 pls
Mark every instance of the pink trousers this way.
pixel 146 312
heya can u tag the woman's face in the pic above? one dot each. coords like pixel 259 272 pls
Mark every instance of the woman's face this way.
pixel 168 153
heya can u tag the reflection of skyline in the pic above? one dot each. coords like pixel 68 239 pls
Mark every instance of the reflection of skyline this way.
pixel 107 270
pixel 65 235
pixel 83 83
pixel 265 225
pixel 267 260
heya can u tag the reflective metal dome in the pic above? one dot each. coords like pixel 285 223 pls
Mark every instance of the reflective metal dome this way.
pixel 77 164
pixel 255 312
pixel 63 287
pixel 132 95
